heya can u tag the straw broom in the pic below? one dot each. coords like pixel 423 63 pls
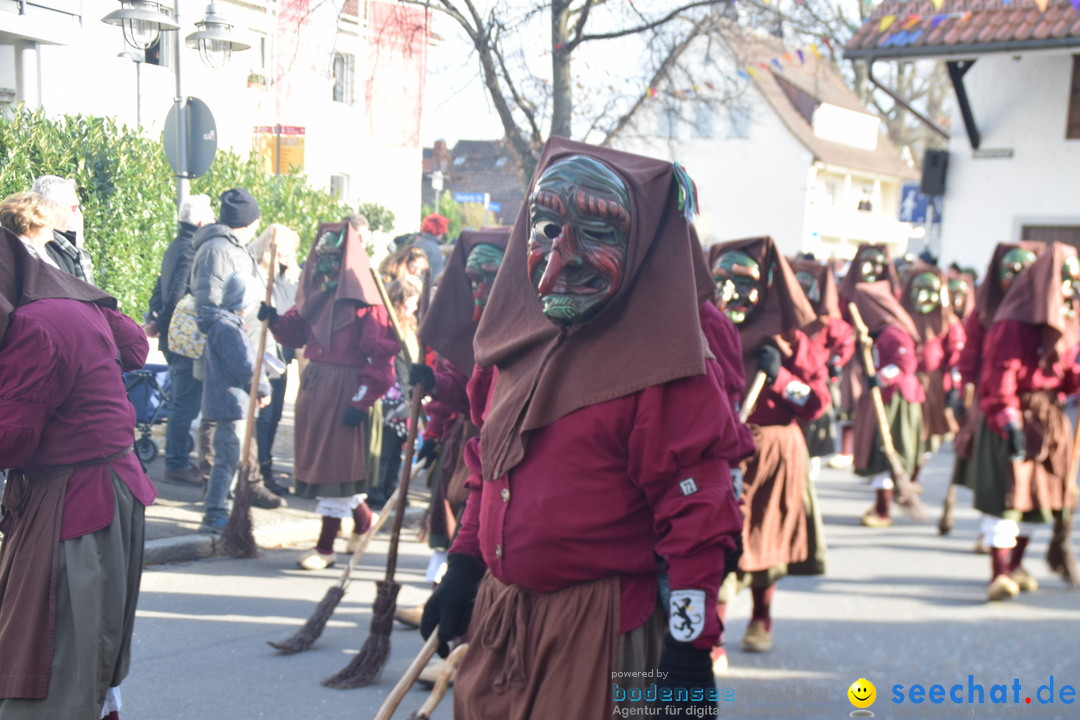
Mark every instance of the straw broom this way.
pixel 369 662
pixel 306 636
pixel 945 525
pixel 237 537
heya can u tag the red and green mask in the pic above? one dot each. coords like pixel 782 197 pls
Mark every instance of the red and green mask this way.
pixel 738 283
pixel 872 265
pixel 481 267
pixel 1015 262
pixel 958 292
pixel 580 213
pixel 926 293
pixel 329 249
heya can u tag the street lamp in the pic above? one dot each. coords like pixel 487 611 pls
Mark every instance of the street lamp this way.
pixel 143 22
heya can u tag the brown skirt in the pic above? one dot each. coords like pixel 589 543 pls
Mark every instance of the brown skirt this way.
pixel 964 466
pixel 1030 490
pixel 936 421
pixel 906 430
pixel 331 457
pixel 775 531
pixel 539 655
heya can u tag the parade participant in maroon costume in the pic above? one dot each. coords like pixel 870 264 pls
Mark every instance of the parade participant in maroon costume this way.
pixel 604 428
pixel 762 297
pixel 340 321
pixel 1029 365
pixel 448 329
pixel 941 340
pixel 835 340
pixel 895 335
pixel 872 263
pixel 73 506
pixel 1007 263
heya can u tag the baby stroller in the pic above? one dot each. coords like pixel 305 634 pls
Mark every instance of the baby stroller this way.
pixel 148 391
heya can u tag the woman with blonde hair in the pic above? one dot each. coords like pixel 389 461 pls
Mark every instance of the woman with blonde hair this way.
pixel 32 217
pixel 286 279
pixel 407 262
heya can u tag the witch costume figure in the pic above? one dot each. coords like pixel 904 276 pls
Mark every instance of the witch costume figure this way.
pixel 604 433
pixel 340 321
pixel 760 294
pixel 73 507
pixel 895 361
pixel 1029 366
pixel 835 341
pixel 1008 262
pixel 941 340
pixel 872 263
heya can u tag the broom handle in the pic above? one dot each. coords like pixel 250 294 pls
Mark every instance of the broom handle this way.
pixel 407 680
pixel 403 484
pixel 752 397
pixel 372 531
pixel 442 683
pixel 1070 479
pixel 398 332
pixel 249 423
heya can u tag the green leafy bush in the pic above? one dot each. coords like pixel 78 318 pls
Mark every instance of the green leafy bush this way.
pixel 128 193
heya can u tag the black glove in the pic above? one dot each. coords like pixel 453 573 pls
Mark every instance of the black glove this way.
pixel 421 374
pixel 684 666
pixel 353 416
pixel 1014 435
pixel 834 371
pixel 874 381
pixel 267 312
pixel 768 361
pixel 450 607
pixel 429 450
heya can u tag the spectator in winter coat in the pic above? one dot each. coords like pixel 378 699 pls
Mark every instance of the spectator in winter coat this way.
pixel 66 247
pixel 186 390
pixel 228 366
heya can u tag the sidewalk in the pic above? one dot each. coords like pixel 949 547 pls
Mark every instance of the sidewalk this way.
pixel 172 522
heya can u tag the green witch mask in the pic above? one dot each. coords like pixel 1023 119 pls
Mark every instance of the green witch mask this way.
pixel 926 293
pixel 481 267
pixel 580 213
pixel 1012 264
pixel 738 282
pixel 872 265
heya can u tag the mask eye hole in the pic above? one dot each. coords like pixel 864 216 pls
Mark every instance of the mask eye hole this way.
pixel 547 229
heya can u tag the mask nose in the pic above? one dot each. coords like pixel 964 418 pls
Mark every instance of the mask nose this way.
pixel 559 258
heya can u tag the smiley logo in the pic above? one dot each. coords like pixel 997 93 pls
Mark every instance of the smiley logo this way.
pixel 862 693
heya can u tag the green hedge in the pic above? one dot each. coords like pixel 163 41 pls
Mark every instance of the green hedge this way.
pixel 128 192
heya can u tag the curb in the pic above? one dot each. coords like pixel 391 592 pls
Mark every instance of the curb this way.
pixel 186 548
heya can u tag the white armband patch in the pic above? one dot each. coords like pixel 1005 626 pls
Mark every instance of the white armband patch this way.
pixel 889 372
pixel 686 614
pixel 797 393
pixel 360 393
pixel 688 486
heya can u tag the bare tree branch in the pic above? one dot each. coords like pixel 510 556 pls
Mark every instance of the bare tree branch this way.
pixel 650 25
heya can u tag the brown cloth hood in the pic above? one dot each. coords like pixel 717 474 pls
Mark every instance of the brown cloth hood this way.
pixel 936 323
pixel 783 308
pixel 847 284
pixel 990 294
pixel 448 327
pixel 327 311
pixel 1035 298
pixel 879 308
pixel 703 279
pixel 826 302
pixel 647 334
pixel 24 279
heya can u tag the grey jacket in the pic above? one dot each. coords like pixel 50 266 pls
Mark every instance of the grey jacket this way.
pixel 227 368
pixel 219 254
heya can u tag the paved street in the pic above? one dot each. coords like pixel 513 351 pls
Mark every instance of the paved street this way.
pixel 900 606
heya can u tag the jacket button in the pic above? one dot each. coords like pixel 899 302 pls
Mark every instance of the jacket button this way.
pixel 505 494
pixel 498 551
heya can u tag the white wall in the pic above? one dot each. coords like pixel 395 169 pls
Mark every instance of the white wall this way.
pixel 1020 105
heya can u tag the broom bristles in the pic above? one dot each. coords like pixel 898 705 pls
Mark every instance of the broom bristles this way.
pixel 364 669
pixel 237 537
pixel 1059 555
pixel 306 636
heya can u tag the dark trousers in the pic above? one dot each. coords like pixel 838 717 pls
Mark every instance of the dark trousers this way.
pixel 185 399
pixel 269 417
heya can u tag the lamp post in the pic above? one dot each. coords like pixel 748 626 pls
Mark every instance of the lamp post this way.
pixel 143 21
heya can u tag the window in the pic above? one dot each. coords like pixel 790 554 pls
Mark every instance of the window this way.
pixel 343 78
pixel 339 186
pixel 1072 129
pixel 738 121
pixel 704 116
pixel 260 53
pixel 669 123
pixel 162 51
